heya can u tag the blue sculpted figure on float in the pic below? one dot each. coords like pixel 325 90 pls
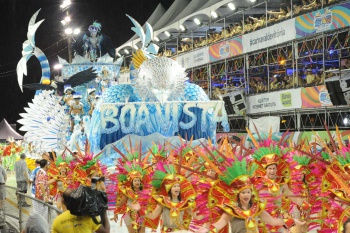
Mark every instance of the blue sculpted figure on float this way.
pixel 160 100
pixel 156 104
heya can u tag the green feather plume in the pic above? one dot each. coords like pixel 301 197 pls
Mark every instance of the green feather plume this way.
pixel 343 160
pixel 122 177
pixel 302 159
pixel 325 156
pixel 60 159
pixel 238 168
pixel 158 175
pixel 91 162
pixel 262 151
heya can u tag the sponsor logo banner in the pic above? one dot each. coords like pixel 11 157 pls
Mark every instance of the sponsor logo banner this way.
pixel 195 58
pixel 323 20
pixel 226 49
pixel 274 101
pixel 266 37
pixel 313 97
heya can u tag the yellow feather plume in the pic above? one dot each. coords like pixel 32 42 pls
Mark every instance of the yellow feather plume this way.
pixel 138 58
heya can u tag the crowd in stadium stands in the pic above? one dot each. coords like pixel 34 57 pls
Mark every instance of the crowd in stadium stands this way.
pixel 278 82
pixel 305 77
pixel 250 24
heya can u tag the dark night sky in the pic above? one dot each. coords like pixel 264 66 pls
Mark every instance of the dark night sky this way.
pixel 15 15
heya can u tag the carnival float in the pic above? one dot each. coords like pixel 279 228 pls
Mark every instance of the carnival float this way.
pixel 89 102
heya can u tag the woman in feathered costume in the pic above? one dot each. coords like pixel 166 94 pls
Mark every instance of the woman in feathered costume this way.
pixel 133 188
pixel 86 169
pixel 207 177
pixel 335 188
pixel 235 194
pixel 175 196
pixel 94 44
pixel 58 170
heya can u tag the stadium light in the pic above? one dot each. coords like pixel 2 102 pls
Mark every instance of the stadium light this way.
pixel 156 38
pixel 214 14
pixel 76 31
pixel 167 33
pixel 135 47
pixel 197 21
pixel 182 28
pixel 231 6
pixel 68 31
pixel 126 51
pixel 65 4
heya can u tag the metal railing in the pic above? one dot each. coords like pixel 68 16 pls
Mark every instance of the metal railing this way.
pixel 16 215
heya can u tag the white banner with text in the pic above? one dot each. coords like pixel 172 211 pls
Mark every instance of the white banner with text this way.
pixel 279 100
pixel 270 36
pixel 195 58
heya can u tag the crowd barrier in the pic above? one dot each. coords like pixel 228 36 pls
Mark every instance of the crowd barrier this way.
pixel 15 216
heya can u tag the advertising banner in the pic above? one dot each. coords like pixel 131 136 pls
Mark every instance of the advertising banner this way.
pixel 323 20
pixel 270 36
pixel 274 101
pixel 195 58
pixel 313 97
pixel 226 49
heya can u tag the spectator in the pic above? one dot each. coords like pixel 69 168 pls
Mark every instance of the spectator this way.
pixel 275 83
pixel 41 182
pixel 310 77
pixel 319 77
pixel 238 29
pixel 298 81
pixel 3 179
pixel 36 224
pixel 258 23
pixel 279 15
pixel 22 179
pixel 68 223
pixel 42 187
pixel 33 176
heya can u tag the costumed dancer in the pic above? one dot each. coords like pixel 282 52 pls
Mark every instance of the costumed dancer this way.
pixel 159 153
pixel 175 196
pixel 306 179
pixel 271 180
pixel 87 170
pixel 91 99
pixel 133 190
pixel 335 187
pixel 58 170
pixel 92 43
pixel 203 183
pixel 67 98
pixel 76 111
pixel 236 195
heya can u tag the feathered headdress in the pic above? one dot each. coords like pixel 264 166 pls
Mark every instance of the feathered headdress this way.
pixel 131 165
pixel 86 164
pixel 266 156
pixel 159 152
pixel 225 192
pixel 166 176
pixel 95 27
